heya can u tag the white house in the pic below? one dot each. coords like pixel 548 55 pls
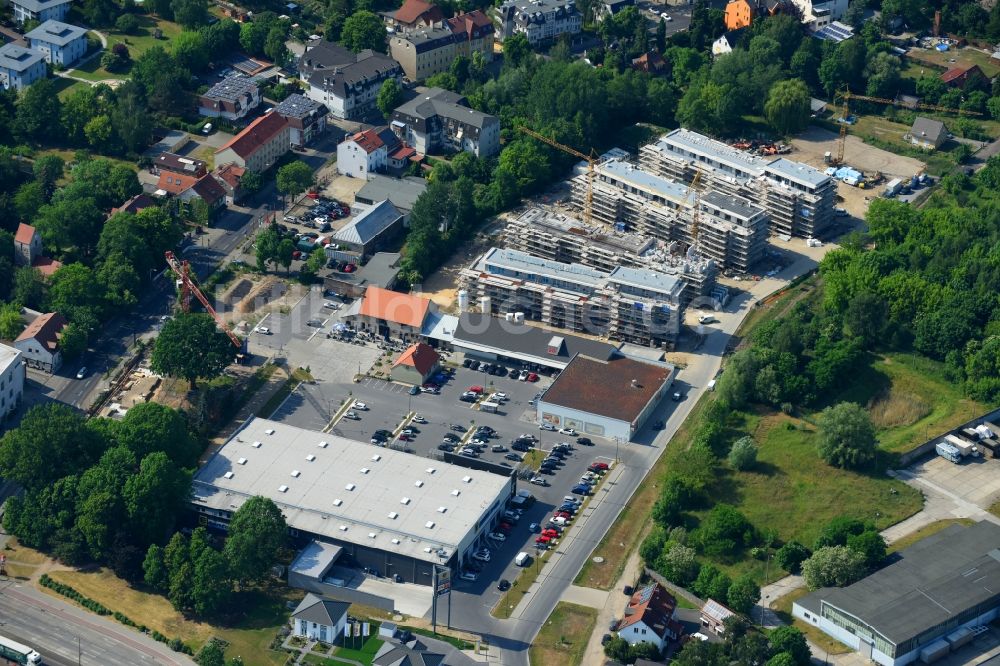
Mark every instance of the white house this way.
pixel 20 67
pixel 11 379
pixel 40 10
pixel 819 14
pixel 39 342
pixel 727 42
pixel 649 618
pixel 320 619
pixel 60 43
pixel 346 83
pixel 365 152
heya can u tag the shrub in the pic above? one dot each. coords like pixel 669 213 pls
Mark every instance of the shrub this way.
pixel 725 531
pixel 833 566
pixel 743 455
pixel 790 556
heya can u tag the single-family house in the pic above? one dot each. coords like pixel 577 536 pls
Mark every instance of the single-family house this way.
pixel 231 98
pixel 20 67
pixel 207 189
pixel 414 14
pixel 259 146
pixel 739 14
pixel 12 372
pixel 39 342
pixel 306 118
pixel 927 133
pixel 366 152
pixel 28 251
pixel 651 62
pixel 230 177
pixel 346 83
pixel 958 77
pixel 727 42
pixel 415 365
pixel 649 618
pixel 40 10
pixel 714 616
pixel 60 43
pixel 319 619
pixel 440 120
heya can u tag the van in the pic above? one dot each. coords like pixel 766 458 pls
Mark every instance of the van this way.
pixel 490 407
pixel 711 385
pixel 522 559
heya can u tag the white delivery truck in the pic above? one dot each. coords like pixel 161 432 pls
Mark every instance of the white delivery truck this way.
pixel 522 559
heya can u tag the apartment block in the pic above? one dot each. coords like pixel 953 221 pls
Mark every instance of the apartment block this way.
pixel 538 20
pixel 439 120
pixel 425 51
pixel 798 198
pixel 636 305
pixel 729 230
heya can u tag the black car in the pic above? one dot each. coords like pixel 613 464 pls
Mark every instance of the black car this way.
pixel 457 427
pixel 659 425
pixel 384 432
pixel 628 590
pixel 468 398
pixel 514 457
pixel 513 373
pixel 466 363
pixel 474 365
pixel 605 639
pixel 445 446
pixel 451 437
pixel 547 470
pixel 503 585
pixel 584 441
pixel 499 371
pixel 520 446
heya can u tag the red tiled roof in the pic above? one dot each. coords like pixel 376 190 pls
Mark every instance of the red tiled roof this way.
pixel 469 21
pixel 619 388
pixel 231 174
pixel 653 606
pixel 412 10
pixel 135 204
pixel 209 189
pixel 420 357
pixel 405 309
pixel 45 330
pixel 46 265
pixel 952 74
pixel 257 133
pixel 25 232
pixel 368 140
pixel 403 153
pixel 175 183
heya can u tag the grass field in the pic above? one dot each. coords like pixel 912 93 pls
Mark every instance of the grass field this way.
pixel 137 45
pixel 926 531
pixel 964 58
pixel 65 87
pixel 783 607
pixel 264 615
pixel 563 638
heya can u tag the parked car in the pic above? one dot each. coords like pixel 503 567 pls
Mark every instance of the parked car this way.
pixel 534 528
pixel 567 431
pixel 498 536
pixel 523 375
pixel 543 539
pixel 469 575
pixel 352 415
pixel 513 373
pixel 547 427
pixel 532 377
pixel 414 390
pixel 584 441
pixel 600 465
pixel 580 490
pixel 503 585
pixel 539 481
pixel 419 419
pixel 514 457
pixel 360 405
pixel 482 555
pixel 315 323
pixel 445 446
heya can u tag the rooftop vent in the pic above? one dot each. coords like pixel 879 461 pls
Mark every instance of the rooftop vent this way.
pixel 256 445
pixel 350 486
pixel 228 475
pixel 338 502
pixel 269 431
pixel 442 509
pixel 429 524
pixel 371 535
pixel 242 461
pixel 282 489
pixel 365 470
pixel 405 500
pixel 430 470
pixel 376 458
pixel 343 528
pixel 456 492
pixel 310 457
pixel 467 479
pixel 393 515
pixel 427 549
pixel 418 483
pixel 296 473
pixel 396 541
pixel 322 445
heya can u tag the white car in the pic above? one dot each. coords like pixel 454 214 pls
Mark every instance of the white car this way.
pixel 539 481
pixel 264 330
pixel 469 575
pixel 331 305
pixel 523 376
pixel 567 431
pixel 547 427
pixel 352 415
pixel 409 432
pixel 707 319
pixel 362 406
pixel 419 419
pixel 500 396
pixel 498 536
pixel 482 556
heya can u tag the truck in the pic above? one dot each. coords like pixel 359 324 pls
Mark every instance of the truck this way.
pixel 948 452
pixel 18 653
pixel 964 446
pixel 892 188
pixel 490 407
pixel 522 559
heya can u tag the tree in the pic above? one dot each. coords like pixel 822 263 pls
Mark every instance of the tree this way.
pixel 389 97
pixel 661 36
pixel 724 531
pixel 286 252
pixel 154 569
pixel 708 107
pixel 155 497
pixel 274 45
pixel 75 292
pixel 192 346
pixel 38 112
pixel 883 74
pixel 295 178
pixel 866 317
pixel 833 566
pixel 790 556
pixel 29 287
pixel 11 322
pixel 701 653
pixel 190 13
pixel 787 108
pixel 251 182
pixel 190 50
pixel 363 30
pixel 52 441
pixel 711 583
pixel 267 246
pixel 100 12
pixel 48 169
pixel 871 545
pixel 781 659
pixel 743 594
pixel 211 655
pixel 678 564
pixel 211 588
pixel 846 436
pixel 743 455
pixel 127 24
pixel 516 51
pixel 838 530
pixel 256 532
pixel 28 200
pixel 73 340
pixel 152 428
pixel 790 641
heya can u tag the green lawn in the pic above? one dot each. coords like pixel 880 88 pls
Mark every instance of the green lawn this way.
pixel 965 57
pixel 65 87
pixel 563 638
pixel 366 652
pixel 137 45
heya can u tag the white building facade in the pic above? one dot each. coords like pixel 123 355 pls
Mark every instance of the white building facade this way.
pixel 12 371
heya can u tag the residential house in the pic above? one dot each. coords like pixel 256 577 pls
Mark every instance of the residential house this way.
pixel 928 134
pixel 739 14
pixel 391 313
pixel 259 146
pixel 209 190
pixel 727 42
pixel 12 372
pixel 413 15
pixel 366 152
pixel 372 230
pixel 60 43
pixel 346 83
pixel 477 33
pixel 440 120
pixel 20 67
pixel 135 204
pixel 231 98
pixel 319 619
pixel 230 178
pixel 818 14
pixel 649 618
pixel 415 365
pixel 425 52
pixel 539 20
pixel 174 163
pixel 608 8
pixel 714 616
pixel 306 118
pixel 28 251
pixel 958 77
pixel 651 62
pixel 39 342
pixel 40 10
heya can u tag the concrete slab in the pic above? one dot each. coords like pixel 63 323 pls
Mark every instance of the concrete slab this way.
pixel 413 600
pixel 974 480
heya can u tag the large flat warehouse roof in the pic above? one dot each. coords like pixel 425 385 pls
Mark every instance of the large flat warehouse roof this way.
pixel 350 491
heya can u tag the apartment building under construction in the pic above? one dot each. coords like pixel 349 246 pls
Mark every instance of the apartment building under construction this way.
pixel 723 227
pixel 558 237
pixel 798 198
pixel 635 305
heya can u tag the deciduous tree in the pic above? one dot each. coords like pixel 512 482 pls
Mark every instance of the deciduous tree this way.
pixel 833 566
pixel 846 436
pixel 363 30
pixel 192 346
pixel 256 532
pixel 787 108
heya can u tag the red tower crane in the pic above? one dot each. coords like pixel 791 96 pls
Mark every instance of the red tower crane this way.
pixel 189 288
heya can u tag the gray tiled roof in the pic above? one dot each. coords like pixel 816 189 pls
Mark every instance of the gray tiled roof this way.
pixel 39 5
pixel 56 32
pixel 321 611
pixel 17 58
pixel 446 104
pixel 367 66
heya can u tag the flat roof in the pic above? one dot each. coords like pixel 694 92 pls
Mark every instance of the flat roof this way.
pixel 635 176
pixel 699 144
pixel 350 491
pixel 565 226
pixel 522 262
pixel 520 340
pixel 933 581
pixel 647 279
pixel 316 559
pixel 798 172
pixel 402 192
pixel 617 388
pixel 732 205
pixel 17 58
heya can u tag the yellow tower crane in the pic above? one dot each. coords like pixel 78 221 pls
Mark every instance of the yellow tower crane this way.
pixel 846 96
pixel 590 159
pixel 695 216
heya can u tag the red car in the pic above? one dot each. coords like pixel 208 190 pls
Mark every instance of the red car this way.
pixel 551 533
pixel 543 539
pixel 504 527
pixel 350 268
pixel 296 255
pixel 562 514
pixel 476 389
pixel 600 465
pixel 532 377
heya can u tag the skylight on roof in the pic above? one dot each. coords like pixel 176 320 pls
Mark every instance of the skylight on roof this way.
pixel 429 524
pixel 228 475
pixel 242 461
pixel 442 509
pixel 256 445
pixel 405 500
pixel 269 431
pixel 430 470
pixel 418 483
pixel 393 515
pixel 295 473
pixel 338 502
pixel 350 486
pixel 310 457
pixel 365 470
pixel 467 479
pixel 282 489
pixel 376 458
pixel 456 492
pixel 322 445
pixel 371 535
pixel 396 541
pixel 343 528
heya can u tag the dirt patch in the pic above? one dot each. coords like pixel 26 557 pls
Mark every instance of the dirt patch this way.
pixel 343 188
pixel 811 145
pixel 442 285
